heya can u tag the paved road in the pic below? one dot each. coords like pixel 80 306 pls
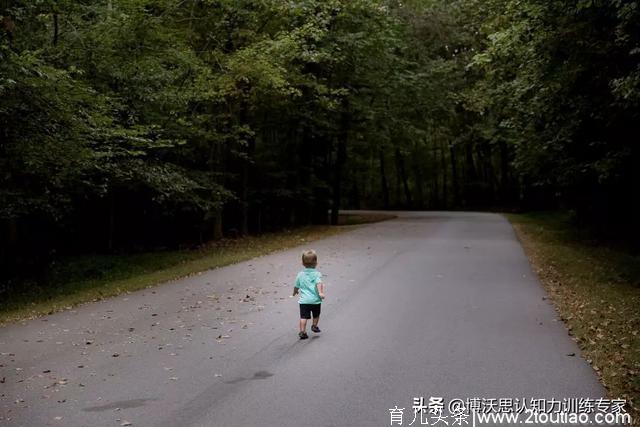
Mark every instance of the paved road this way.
pixel 430 304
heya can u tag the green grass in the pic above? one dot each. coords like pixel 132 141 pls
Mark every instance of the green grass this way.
pixel 77 280
pixel 91 278
pixel 356 218
pixel 596 290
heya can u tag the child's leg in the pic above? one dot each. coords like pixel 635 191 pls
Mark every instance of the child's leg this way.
pixel 316 317
pixel 305 314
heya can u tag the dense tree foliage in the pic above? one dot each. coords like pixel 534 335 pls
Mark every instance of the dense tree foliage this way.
pixel 558 86
pixel 136 123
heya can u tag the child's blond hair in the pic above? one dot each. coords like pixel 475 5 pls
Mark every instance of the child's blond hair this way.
pixel 309 258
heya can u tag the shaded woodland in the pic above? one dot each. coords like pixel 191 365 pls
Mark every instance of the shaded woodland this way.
pixel 129 125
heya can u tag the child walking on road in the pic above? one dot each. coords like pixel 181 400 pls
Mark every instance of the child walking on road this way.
pixel 311 289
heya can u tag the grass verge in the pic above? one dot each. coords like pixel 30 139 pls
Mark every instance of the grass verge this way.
pixel 358 218
pixel 596 291
pixel 90 278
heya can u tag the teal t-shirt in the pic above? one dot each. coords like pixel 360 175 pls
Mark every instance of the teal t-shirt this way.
pixel 306 283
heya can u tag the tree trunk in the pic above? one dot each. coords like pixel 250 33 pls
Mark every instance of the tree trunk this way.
pixel 488 176
pixel 8 26
pixel 504 172
pixel 8 245
pixel 454 175
pixel 435 191
pixel 355 195
pixel 55 28
pixel 443 162
pixel 244 208
pixel 217 226
pixel 403 178
pixel 246 164
pixel 418 176
pixel 337 182
pixel 216 164
pixel 303 140
pixel 341 158
pixel 112 222
pixel 385 184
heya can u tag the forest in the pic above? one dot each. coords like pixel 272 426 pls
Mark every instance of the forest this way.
pixel 129 125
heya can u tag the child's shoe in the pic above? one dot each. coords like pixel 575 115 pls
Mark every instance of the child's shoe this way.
pixel 315 329
pixel 303 335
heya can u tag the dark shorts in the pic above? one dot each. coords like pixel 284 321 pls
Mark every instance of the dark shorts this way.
pixel 307 309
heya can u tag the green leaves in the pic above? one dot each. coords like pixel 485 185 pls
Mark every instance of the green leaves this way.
pixel 265 110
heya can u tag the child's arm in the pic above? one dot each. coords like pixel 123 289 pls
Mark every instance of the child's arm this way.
pixel 296 288
pixel 320 287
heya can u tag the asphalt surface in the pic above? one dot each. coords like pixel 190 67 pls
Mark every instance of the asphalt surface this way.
pixel 433 304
